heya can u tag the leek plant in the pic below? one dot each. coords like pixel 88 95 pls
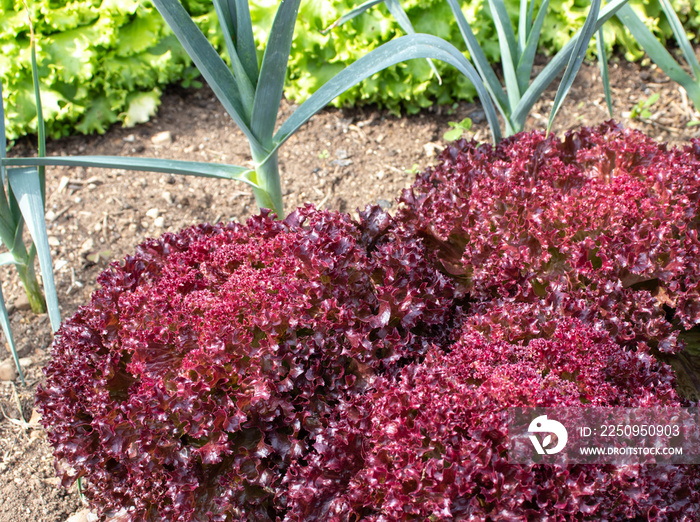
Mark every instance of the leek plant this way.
pixel 251 93
pixel 515 100
pixel 22 197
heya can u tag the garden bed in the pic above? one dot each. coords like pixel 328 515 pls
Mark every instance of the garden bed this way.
pixel 341 160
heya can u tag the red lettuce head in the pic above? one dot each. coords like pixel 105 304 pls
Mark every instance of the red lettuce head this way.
pixel 602 226
pixel 207 362
pixel 431 444
pixel 320 368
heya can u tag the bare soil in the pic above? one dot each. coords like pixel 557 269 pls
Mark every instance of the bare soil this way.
pixel 342 159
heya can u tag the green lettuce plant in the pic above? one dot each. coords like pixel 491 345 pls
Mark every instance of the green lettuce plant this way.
pixel 101 62
pixel 107 61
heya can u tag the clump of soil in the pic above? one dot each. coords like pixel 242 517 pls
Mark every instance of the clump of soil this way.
pixel 342 159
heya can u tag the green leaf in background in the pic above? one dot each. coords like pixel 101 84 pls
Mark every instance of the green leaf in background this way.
pixel 140 107
pixel 458 129
pixel 98 117
pixel 139 35
pixel 76 53
pixel 641 109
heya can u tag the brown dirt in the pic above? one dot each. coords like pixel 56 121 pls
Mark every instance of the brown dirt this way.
pixel 342 159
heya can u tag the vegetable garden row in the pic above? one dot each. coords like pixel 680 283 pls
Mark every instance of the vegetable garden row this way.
pixel 315 366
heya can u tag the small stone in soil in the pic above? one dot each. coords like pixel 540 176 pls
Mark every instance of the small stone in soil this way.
pixel 153 213
pixel 83 515
pixel 432 148
pixel 87 246
pixel 22 303
pixel 22 350
pixel 383 203
pixel 162 138
pixel 63 184
pixel 342 162
pixel 8 371
pixel 477 116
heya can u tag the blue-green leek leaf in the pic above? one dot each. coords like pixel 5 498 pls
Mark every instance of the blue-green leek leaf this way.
pixel 681 38
pixel 218 76
pixel 553 69
pixel 578 53
pixel 658 53
pixel 245 41
pixel 509 49
pixel 7 221
pixel 527 11
pixel 3 136
pixel 352 14
pixel 192 168
pixel 41 130
pixel 26 186
pixel 395 51
pixel 6 258
pixel 604 72
pixel 247 89
pixel 396 10
pixel 527 55
pixel 491 82
pixel 394 7
pixel 273 71
pixel 7 330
